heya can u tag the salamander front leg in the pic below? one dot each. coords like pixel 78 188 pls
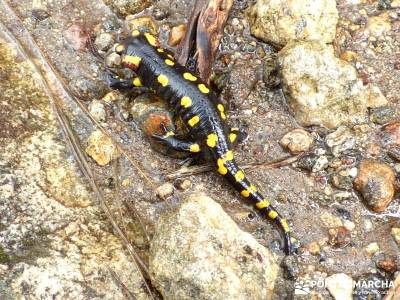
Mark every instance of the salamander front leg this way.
pixel 169 139
pixel 119 83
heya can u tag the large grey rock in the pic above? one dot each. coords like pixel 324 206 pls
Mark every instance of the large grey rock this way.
pixel 320 88
pixel 281 21
pixel 198 252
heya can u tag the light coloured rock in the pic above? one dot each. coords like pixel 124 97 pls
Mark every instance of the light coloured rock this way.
pixel 372 248
pixel 340 140
pixel 394 292
pixel 375 98
pixel 104 41
pixel 176 35
pixel 396 235
pixel 330 220
pixel 281 21
pixel 97 110
pixel 321 163
pixel 375 181
pixel 165 190
pixel 198 252
pixel 297 140
pixel 320 88
pixel 379 25
pixel 144 23
pixel 101 148
pixel 340 286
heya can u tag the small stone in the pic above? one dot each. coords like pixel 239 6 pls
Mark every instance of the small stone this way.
pixel 164 191
pixel 341 196
pixel 375 181
pixel 340 286
pixel 97 110
pixel 280 21
pixel 387 263
pixel 314 248
pixel 391 134
pixel 126 7
pixel 297 141
pixel 111 97
pixel 371 249
pixel 340 140
pixel 330 220
pixel 307 162
pixel 198 252
pixel 348 56
pixel 142 23
pixel 113 60
pixel 101 148
pixel 321 163
pixel 104 41
pixel 375 97
pixel 342 181
pixel 183 185
pixel 339 237
pixel 76 36
pixel 381 115
pixel 320 88
pixel 349 225
pixel 176 35
pixel 396 235
pixel 379 25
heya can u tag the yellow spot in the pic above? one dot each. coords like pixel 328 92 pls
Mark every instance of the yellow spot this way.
pixel 151 39
pixel 212 140
pixel 186 102
pixel 160 50
pixel 285 225
pixel 163 80
pixel 135 60
pixel 170 56
pixel 189 76
pixel 232 137
pixel 220 107
pixel 203 88
pixel 194 148
pixel 239 176
pixel 252 188
pixel 272 214
pixel 169 62
pixel 223 116
pixel 136 82
pixel 263 204
pixel 135 33
pixel 235 129
pixel 193 121
pixel 120 48
pixel 169 133
pixel 229 155
pixel 245 193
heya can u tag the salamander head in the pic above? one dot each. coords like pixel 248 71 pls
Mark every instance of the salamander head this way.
pixel 134 46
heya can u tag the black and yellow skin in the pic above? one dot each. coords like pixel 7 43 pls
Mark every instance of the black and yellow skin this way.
pixel 200 110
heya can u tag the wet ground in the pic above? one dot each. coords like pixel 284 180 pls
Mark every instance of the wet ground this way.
pixel 302 197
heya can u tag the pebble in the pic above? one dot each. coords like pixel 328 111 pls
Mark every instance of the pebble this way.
pixel 340 140
pixel 390 134
pixel 341 196
pixel 349 225
pixel 97 110
pixel 320 88
pixel 396 235
pixel 183 185
pixel 321 163
pixel 101 148
pixel 104 41
pixel 280 21
pixel 165 190
pixel 339 237
pixel 126 7
pixel 387 263
pixel 330 220
pixel 371 249
pixel 340 286
pixel 145 23
pixel 176 35
pixel 375 97
pixel 376 182
pixel 297 141
pixel 381 115
pixel 314 248
pixel 76 36
pixel 307 162
pixel 199 252
pixel 378 25
pixel 113 60
pixel 344 182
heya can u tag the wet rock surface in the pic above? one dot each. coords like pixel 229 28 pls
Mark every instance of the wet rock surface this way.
pixel 279 22
pixel 375 181
pixel 185 268
pixel 320 88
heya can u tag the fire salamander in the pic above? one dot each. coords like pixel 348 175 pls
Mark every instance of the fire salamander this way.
pixel 200 110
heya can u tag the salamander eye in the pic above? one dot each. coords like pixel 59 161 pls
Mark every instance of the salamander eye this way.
pixel 119 48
